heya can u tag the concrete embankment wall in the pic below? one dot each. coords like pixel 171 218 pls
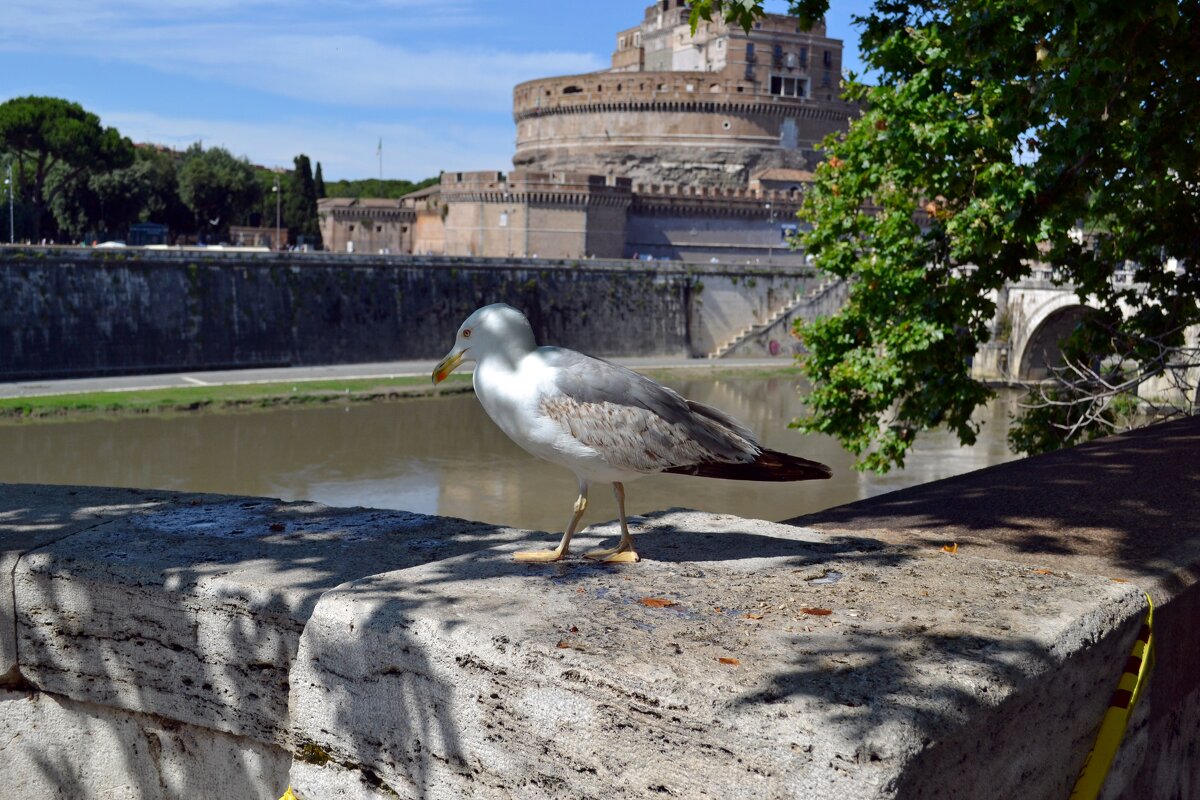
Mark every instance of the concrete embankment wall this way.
pixel 156 644
pixel 73 312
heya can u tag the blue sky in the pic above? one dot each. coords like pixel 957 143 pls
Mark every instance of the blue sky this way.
pixel 269 79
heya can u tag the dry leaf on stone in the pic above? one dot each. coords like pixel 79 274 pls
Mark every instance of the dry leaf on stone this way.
pixel 950 548
pixel 733 662
pixel 752 616
pixel 657 602
pixel 817 612
pixel 1042 572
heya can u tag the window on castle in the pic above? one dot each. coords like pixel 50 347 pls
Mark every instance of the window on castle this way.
pixel 786 86
pixel 828 58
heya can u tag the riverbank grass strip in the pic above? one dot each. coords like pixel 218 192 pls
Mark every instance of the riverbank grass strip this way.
pixel 216 397
pixel 196 398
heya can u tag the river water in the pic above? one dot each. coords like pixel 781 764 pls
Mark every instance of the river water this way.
pixel 442 455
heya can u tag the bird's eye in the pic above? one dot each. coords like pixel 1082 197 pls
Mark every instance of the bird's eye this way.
pixel 467 333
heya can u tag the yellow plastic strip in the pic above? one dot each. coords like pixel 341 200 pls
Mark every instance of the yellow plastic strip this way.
pixel 1116 718
pixel 288 795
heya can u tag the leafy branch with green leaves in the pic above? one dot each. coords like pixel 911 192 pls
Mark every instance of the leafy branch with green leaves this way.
pixel 999 136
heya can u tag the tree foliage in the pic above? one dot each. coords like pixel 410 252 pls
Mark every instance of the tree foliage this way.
pixel 1001 134
pixel 301 201
pixel 319 182
pixel 373 187
pixel 218 188
pixel 55 143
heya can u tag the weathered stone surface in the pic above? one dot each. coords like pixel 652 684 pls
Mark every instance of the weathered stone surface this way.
pixel 53 747
pixel 1123 507
pixel 711 669
pixel 193 611
pixel 34 516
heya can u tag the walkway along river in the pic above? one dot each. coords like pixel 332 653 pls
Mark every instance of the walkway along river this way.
pixel 444 456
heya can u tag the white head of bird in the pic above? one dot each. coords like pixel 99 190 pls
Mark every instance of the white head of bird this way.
pixel 495 330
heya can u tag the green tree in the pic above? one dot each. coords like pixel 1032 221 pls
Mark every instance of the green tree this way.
pixel 217 188
pixel 54 142
pixel 102 204
pixel 319 181
pixel 300 200
pixel 1002 134
pixel 159 171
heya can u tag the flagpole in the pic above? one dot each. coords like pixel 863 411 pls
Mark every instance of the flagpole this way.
pixel 379 152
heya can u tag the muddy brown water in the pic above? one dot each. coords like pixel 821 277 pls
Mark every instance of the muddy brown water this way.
pixel 442 455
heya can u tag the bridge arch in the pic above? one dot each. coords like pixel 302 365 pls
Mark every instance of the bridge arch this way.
pixel 1038 351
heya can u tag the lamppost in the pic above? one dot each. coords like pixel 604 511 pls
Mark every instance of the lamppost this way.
pixel 771 236
pixel 9 183
pixel 508 221
pixel 278 196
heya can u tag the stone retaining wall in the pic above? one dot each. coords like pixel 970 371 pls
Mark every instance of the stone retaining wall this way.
pixel 75 312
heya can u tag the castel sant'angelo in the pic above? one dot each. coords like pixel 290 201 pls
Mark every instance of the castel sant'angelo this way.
pixel 689 148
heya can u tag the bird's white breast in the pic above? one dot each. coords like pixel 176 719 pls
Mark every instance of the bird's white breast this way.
pixel 513 398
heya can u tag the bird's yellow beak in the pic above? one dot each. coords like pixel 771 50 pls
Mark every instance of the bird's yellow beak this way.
pixel 448 365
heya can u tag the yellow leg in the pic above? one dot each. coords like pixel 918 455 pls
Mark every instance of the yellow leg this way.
pixel 543 556
pixel 623 553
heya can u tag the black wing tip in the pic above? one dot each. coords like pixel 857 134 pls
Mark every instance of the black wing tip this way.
pixel 770 465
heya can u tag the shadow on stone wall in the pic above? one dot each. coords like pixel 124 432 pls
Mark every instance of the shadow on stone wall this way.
pixel 396 652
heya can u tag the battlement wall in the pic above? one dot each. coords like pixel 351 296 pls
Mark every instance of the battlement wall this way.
pixel 522 186
pixel 705 92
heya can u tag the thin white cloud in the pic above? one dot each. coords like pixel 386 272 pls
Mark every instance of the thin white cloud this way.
pixel 410 151
pixel 362 58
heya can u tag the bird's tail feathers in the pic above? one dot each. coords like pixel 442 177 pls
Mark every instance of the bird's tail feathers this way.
pixel 770 465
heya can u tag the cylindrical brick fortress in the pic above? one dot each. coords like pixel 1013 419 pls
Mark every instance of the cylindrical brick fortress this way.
pixel 710 108
pixel 684 128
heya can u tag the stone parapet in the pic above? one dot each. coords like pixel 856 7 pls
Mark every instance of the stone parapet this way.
pixel 208 644
pixel 716 201
pixel 525 186
pixel 608 92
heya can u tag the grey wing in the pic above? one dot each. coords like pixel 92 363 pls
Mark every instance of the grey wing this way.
pixel 637 424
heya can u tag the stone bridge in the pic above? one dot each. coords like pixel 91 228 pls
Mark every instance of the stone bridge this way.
pixel 1032 317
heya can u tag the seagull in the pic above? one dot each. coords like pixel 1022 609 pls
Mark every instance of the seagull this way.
pixel 602 421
